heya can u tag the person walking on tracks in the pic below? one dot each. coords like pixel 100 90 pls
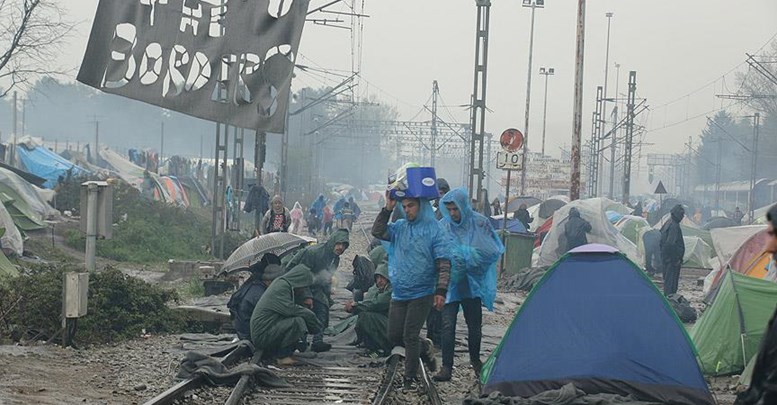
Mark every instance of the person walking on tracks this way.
pixel 372 312
pixel 419 269
pixel 473 277
pixel 322 260
pixel 672 249
pixel 278 322
pixel 277 218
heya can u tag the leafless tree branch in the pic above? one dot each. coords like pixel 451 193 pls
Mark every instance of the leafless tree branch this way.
pixel 31 35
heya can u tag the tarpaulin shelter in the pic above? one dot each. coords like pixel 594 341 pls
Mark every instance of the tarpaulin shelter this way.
pixel 11 240
pixel 42 162
pixel 597 321
pixel 133 174
pixel 730 331
pixel 513 225
pixel 23 201
pixel 592 210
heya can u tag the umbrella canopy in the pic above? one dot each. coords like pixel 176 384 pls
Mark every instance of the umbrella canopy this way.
pixel 548 207
pixel 252 251
pixel 516 202
pixel 719 222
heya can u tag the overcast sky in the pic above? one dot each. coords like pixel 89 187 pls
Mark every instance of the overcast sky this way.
pixel 680 49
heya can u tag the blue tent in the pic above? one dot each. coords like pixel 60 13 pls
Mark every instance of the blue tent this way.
pixel 513 225
pixel 44 163
pixel 596 320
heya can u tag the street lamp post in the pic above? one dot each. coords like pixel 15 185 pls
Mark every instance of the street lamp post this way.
pixel 545 72
pixel 534 4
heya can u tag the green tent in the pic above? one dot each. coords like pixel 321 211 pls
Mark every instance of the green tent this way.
pixel 23 216
pixel 730 331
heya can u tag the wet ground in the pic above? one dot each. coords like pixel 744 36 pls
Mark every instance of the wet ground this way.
pixel 134 371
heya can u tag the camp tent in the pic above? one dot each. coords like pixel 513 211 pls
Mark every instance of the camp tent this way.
pixel 592 210
pixel 697 252
pixel 748 256
pixel 513 225
pixel 596 320
pixel 42 162
pixel 630 225
pixel 23 202
pixel 726 241
pixel 730 331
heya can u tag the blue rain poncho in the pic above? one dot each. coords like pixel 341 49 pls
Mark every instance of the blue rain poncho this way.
pixel 318 205
pixel 413 249
pixel 476 250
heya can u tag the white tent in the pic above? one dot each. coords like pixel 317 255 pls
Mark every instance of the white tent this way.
pixel 726 241
pixel 594 211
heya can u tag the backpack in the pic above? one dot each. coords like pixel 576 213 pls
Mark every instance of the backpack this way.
pixel 682 307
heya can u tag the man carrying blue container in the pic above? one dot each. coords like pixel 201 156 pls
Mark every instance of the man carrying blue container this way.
pixel 419 268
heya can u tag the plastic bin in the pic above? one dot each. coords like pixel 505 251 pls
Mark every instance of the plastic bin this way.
pixel 520 247
pixel 421 183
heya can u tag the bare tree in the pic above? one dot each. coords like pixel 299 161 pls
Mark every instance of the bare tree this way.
pixel 31 35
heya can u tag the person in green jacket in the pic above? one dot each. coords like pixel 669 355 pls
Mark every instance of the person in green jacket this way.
pixel 378 255
pixel 372 323
pixel 322 260
pixel 278 322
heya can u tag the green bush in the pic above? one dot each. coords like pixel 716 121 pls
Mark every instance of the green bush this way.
pixel 119 306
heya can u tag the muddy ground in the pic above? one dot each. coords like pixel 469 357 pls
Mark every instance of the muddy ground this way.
pixel 134 371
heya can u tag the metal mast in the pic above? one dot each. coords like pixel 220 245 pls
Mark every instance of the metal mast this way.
pixel 478 115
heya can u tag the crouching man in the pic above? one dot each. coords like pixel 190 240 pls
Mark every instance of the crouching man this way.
pixel 278 322
pixel 372 323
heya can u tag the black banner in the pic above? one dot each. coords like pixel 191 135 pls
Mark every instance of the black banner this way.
pixel 229 61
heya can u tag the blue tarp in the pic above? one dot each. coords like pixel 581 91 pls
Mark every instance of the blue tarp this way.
pixel 47 164
pixel 513 225
pixel 596 320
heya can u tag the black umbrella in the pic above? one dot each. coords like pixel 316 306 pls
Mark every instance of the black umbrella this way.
pixel 516 202
pixel 548 207
pixel 252 251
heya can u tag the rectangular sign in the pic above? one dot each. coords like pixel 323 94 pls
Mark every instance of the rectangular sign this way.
pixel 228 61
pixel 508 160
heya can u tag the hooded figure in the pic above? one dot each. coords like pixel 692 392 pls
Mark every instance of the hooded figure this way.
pixel 372 323
pixel 318 205
pixel 322 260
pixel 296 217
pixel 637 209
pixel 442 188
pixel 575 230
pixel 277 218
pixel 763 384
pixel 672 249
pixel 278 322
pixel 419 252
pixel 477 248
pixel 523 216
pixel 378 255
pixel 242 303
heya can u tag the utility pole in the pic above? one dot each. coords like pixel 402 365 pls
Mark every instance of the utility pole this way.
pixel 162 143
pixel 478 116
pixel 596 144
pixel 15 129
pixel 577 116
pixel 614 134
pixel 604 98
pixel 534 4
pixel 630 106
pixel 96 150
pixel 433 148
pixel 754 169
pixel 545 72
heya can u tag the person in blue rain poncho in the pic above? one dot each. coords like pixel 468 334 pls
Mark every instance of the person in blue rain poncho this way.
pixel 476 250
pixel 319 205
pixel 419 253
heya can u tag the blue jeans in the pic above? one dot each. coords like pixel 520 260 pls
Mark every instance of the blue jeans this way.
pixel 473 315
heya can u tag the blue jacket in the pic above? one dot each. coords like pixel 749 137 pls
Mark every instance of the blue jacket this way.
pixel 477 248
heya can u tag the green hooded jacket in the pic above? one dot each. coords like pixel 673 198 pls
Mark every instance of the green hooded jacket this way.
pixel 321 258
pixel 277 321
pixel 378 256
pixel 376 300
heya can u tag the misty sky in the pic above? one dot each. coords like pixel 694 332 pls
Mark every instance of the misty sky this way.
pixel 677 47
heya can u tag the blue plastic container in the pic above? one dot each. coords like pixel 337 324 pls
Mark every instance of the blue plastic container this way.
pixel 421 183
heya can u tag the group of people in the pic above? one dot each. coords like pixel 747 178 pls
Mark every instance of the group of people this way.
pixel 320 217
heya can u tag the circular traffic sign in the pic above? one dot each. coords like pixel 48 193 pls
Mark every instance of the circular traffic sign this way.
pixel 511 140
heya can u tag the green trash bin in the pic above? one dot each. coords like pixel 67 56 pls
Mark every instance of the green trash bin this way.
pixel 519 248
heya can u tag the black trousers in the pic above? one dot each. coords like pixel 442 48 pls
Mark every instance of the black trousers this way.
pixel 406 318
pixel 473 315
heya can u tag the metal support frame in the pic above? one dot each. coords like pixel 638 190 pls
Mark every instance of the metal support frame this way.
pixel 627 152
pixel 238 177
pixel 596 144
pixel 218 226
pixel 754 168
pixel 478 116
pixel 433 146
